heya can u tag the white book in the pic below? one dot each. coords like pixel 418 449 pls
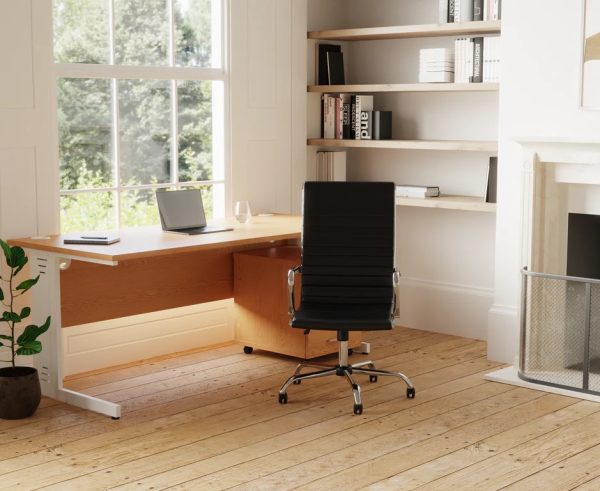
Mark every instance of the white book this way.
pixel 362 103
pixel 443 11
pixel 417 191
pixel 466 11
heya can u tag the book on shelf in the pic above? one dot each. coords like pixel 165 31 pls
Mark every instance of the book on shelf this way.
pixel 469 10
pixel 478 9
pixel 436 65
pixel 416 191
pixel 366 125
pixel 361 103
pixel 331 166
pixel 382 125
pixel 335 68
pixel 491 181
pixel 322 73
pixel 442 11
pixel 477 59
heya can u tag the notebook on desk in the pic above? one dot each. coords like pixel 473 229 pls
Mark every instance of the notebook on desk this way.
pixel 182 211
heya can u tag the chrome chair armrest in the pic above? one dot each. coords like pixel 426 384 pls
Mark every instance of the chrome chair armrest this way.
pixel 396 303
pixel 291 280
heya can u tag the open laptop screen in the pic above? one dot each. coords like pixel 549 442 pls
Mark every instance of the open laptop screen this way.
pixel 180 209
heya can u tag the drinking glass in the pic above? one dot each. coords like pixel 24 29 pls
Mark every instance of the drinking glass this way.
pixel 242 211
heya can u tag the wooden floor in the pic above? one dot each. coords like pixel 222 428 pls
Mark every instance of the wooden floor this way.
pixel 210 420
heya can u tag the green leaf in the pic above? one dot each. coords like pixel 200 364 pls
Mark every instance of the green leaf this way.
pixel 31 333
pixel 17 257
pixel 10 316
pixel 25 313
pixel 7 252
pixel 30 348
pixel 27 284
pixel 4 336
pixel 21 266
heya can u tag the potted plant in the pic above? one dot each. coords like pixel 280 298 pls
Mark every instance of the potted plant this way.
pixel 20 391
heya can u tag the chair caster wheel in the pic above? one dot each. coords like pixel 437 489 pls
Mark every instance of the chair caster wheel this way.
pixel 357 408
pixel 283 398
pixel 410 393
pixel 297 382
pixel 248 349
pixel 372 378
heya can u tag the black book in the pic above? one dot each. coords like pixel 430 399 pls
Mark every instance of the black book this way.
pixel 492 181
pixel 346 117
pixel 477 60
pixel 382 125
pixel 322 73
pixel 478 9
pixel 353 117
pixel 335 68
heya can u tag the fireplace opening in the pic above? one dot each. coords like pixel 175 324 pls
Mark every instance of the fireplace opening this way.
pixel 583 246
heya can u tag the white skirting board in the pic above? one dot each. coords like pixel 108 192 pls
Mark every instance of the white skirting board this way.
pixel 446 308
pixel 103 344
pixel 509 375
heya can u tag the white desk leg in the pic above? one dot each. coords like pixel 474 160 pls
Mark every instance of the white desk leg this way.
pixel 49 363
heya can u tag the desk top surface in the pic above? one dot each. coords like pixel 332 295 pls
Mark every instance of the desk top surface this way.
pixel 143 242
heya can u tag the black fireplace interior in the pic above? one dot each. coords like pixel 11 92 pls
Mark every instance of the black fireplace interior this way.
pixel 583 246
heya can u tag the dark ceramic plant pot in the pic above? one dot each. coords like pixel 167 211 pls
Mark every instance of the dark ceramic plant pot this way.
pixel 20 392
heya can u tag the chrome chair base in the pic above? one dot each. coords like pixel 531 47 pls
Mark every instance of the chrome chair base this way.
pixel 343 369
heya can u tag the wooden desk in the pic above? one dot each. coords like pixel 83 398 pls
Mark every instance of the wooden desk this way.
pixel 150 270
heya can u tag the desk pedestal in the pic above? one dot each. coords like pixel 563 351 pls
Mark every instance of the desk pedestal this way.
pixel 261 318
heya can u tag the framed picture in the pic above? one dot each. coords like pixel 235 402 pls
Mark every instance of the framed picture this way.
pixel 590 79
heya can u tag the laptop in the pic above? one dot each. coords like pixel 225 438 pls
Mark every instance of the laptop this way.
pixel 182 211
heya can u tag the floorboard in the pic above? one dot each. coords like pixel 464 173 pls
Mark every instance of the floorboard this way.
pixel 209 419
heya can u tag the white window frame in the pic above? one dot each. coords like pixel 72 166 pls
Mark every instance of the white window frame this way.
pixel 174 74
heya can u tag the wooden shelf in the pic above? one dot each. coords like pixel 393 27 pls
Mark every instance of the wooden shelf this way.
pixel 414 31
pixel 422 87
pixel 458 145
pixel 463 203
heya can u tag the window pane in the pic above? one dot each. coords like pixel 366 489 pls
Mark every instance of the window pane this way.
pixel 144 131
pixel 87 212
pixel 81 31
pixel 85 126
pixel 138 208
pixel 141 32
pixel 195 124
pixel 196 41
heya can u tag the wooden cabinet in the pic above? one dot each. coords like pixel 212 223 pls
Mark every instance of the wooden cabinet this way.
pixel 260 292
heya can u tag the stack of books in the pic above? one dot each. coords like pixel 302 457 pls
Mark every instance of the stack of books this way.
pixel 477 60
pixel 436 65
pixel 331 166
pixel 416 191
pixel 469 10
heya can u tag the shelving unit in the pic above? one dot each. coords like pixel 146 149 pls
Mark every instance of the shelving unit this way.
pixel 452 145
pixel 424 87
pixel 464 203
pixel 444 135
pixel 403 32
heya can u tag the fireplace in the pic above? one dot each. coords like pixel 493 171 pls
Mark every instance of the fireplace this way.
pixel 560 314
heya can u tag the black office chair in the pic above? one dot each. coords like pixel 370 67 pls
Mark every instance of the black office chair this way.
pixel 348 278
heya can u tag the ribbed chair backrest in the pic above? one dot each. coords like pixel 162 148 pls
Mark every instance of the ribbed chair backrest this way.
pixel 348 242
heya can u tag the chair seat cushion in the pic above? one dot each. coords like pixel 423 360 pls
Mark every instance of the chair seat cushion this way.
pixel 348 317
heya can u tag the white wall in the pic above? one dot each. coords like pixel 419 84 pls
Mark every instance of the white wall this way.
pixel 28 165
pixel 539 97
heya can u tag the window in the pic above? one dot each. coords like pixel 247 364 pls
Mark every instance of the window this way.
pixel 141 104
